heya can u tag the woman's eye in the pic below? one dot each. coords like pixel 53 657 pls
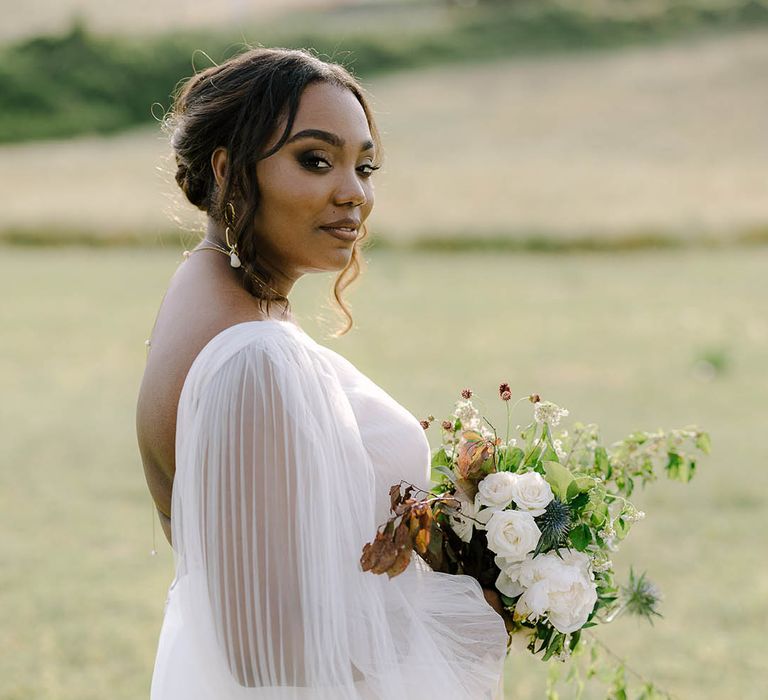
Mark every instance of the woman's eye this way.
pixel 311 162
pixel 370 171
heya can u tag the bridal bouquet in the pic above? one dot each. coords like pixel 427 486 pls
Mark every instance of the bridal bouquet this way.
pixel 534 518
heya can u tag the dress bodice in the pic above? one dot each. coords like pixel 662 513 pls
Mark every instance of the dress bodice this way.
pixel 392 436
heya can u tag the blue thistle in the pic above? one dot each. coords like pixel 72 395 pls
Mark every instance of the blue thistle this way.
pixel 555 524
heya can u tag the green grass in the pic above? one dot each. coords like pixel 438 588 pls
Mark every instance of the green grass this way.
pixel 617 339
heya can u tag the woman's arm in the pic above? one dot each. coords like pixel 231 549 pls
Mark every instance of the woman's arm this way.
pixel 270 493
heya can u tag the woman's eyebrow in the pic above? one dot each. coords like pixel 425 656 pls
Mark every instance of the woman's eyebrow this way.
pixel 328 137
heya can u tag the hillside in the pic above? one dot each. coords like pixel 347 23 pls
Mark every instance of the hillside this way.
pixel 667 139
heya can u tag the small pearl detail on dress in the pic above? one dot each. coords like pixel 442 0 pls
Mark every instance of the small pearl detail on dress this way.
pixel 186 253
pixel 147 342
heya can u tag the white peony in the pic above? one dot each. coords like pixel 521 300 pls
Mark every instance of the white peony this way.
pixel 496 489
pixel 512 534
pixel 531 492
pixel 562 588
pixel 508 586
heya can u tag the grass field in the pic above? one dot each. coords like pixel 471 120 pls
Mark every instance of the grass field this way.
pixel 618 339
pixel 666 140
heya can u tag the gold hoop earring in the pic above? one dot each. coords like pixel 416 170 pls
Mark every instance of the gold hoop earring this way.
pixel 229 219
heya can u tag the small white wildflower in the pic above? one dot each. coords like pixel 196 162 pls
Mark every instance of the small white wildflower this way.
pixel 607 532
pixel 601 566
pixel 633 515
pixel 466 412
pixel 548 412
pixel 512 442
pixel 558 445
pixel 565 653
pixel 487 433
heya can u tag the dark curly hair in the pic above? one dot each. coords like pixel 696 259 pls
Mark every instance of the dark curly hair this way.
pixel 237 105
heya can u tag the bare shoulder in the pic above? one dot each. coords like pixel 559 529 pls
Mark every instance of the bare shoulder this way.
pixel 200 303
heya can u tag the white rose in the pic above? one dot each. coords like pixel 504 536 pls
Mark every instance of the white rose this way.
pixel 562 588
pixel 482 514
pixel 512 534
pixel 460 524
pixel 496 489
pixel 531 492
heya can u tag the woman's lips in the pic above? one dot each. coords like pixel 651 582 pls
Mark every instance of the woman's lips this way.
pixel 344 234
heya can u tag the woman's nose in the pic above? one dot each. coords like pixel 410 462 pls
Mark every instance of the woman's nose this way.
pixel 350 191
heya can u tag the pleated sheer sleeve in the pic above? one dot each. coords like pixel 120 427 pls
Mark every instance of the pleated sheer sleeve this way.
pixel 273 500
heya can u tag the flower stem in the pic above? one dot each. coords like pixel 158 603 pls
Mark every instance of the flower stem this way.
pixel 631 670
pixel 506 439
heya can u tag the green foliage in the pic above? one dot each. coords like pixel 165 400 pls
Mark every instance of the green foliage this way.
pixel 76 83
pixel 511 459
pixel 55 86
pixel 580 537
pixel 559 478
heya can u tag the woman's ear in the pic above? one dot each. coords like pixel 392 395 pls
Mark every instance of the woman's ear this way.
pixel 219 164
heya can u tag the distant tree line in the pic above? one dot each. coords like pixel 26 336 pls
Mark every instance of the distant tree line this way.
pixel 78 82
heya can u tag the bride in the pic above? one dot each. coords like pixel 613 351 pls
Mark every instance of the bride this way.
pixel 270 456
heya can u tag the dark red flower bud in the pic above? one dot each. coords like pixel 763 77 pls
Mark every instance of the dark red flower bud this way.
pixel 466 393
pixel 506 395
pixel 424 424
pixel 504 387
pixel 447 425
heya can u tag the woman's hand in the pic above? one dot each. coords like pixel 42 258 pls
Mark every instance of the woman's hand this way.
pixel 493 599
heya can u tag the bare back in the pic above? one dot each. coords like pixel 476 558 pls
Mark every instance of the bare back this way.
pixel 202 299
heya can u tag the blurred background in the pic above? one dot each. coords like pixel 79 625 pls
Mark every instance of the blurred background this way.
pixel 573 200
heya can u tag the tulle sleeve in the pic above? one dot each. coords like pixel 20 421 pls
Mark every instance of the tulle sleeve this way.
pixel 272 503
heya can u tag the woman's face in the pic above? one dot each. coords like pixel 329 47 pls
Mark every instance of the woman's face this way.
pixel 320 175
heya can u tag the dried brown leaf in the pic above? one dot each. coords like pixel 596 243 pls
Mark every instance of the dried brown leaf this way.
pixel 422 541
pixel 403 547
pixel 379 555
pixel 394 496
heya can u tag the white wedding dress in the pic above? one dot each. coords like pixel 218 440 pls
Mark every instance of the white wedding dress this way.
pixel 285 454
